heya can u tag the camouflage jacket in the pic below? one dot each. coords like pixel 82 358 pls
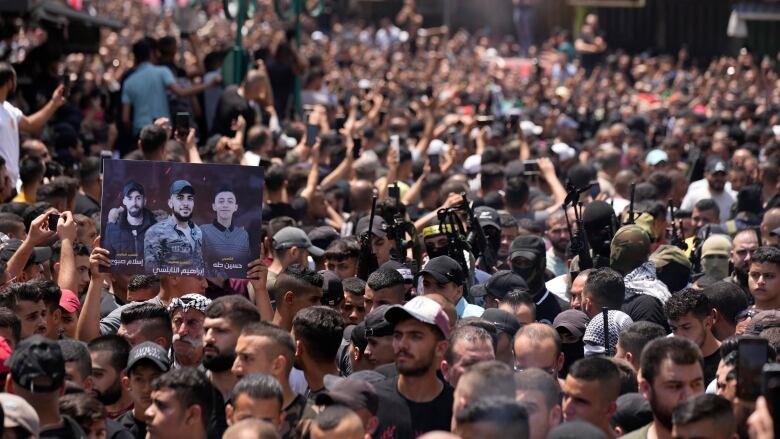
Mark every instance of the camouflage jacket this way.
pixel 167 250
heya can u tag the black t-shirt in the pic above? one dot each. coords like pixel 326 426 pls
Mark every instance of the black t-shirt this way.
pixel 711 366
pixel 69 430
pixel 86 205
pixel 548 306
pixel 647 308
pixel 136 427
pixel 407 418
pixel 295 210
pixel 229 107
pixel 115 430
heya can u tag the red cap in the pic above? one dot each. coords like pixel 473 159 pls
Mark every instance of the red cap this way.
pixel 69 301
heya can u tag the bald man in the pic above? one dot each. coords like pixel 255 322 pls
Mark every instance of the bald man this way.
pixel 770 223
pixel 251 429
pixel 538 346
pixel 337 422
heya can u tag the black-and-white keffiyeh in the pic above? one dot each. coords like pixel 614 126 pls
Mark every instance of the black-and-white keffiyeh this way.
pixel 192 300
pixel 643 280
pixel 594 333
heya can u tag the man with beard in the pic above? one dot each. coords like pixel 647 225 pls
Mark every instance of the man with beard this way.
pixel 714 187
pixel 187 316
pixel 224 242
pixel 558 235
pixel 126 235
pixel 603 289
pixel 176 241
pixel 745 244
pixel 670 374
pixel 224 319
pixel 146 362
pixel 527 258
pixel 421 328
pixel 109 355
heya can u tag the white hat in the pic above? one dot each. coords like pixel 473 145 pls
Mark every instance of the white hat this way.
pixel 530 129
pixel 564 151
pixel 473 164
pixel 436 147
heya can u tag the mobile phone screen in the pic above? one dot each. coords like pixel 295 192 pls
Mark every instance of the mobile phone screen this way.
pixel 182 124
pixel 434 160
pixel 358 144
pixel 771 392
pixel 752 355
pixel 312 131
pixel 53 219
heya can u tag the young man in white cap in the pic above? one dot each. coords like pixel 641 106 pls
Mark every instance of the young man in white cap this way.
pixel 421 328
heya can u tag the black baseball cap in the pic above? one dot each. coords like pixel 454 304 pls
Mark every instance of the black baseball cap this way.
pixel 332 290
pixel 357 335
pixel 38 256
pixel 527 246
pixel 355 394
pixel 375 323
pixel 502 282
pixel 37 365
pixel 151 352
pixel 180 186
pixel 378 228
pixel 405 271
pixel 322 236
pixel 572 320
pixel 132 186
pixel 504 321
pixel 444 269
pixel 487 217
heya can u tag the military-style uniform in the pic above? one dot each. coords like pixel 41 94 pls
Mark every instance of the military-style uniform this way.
pixel 166 246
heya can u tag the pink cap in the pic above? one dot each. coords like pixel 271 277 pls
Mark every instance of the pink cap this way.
pixel 69 301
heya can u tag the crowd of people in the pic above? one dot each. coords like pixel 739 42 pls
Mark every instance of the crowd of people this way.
pixel 458 242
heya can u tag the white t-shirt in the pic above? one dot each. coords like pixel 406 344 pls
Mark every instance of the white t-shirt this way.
pixel 9 138
pixel 699 191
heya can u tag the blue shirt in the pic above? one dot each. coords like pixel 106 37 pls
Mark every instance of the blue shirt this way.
pixel 465 309
pixel 146 90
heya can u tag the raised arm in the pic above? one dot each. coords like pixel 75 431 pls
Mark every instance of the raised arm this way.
pixel 66 231
pixel 88 326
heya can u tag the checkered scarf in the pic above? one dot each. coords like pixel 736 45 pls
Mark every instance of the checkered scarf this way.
pixel 187 301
